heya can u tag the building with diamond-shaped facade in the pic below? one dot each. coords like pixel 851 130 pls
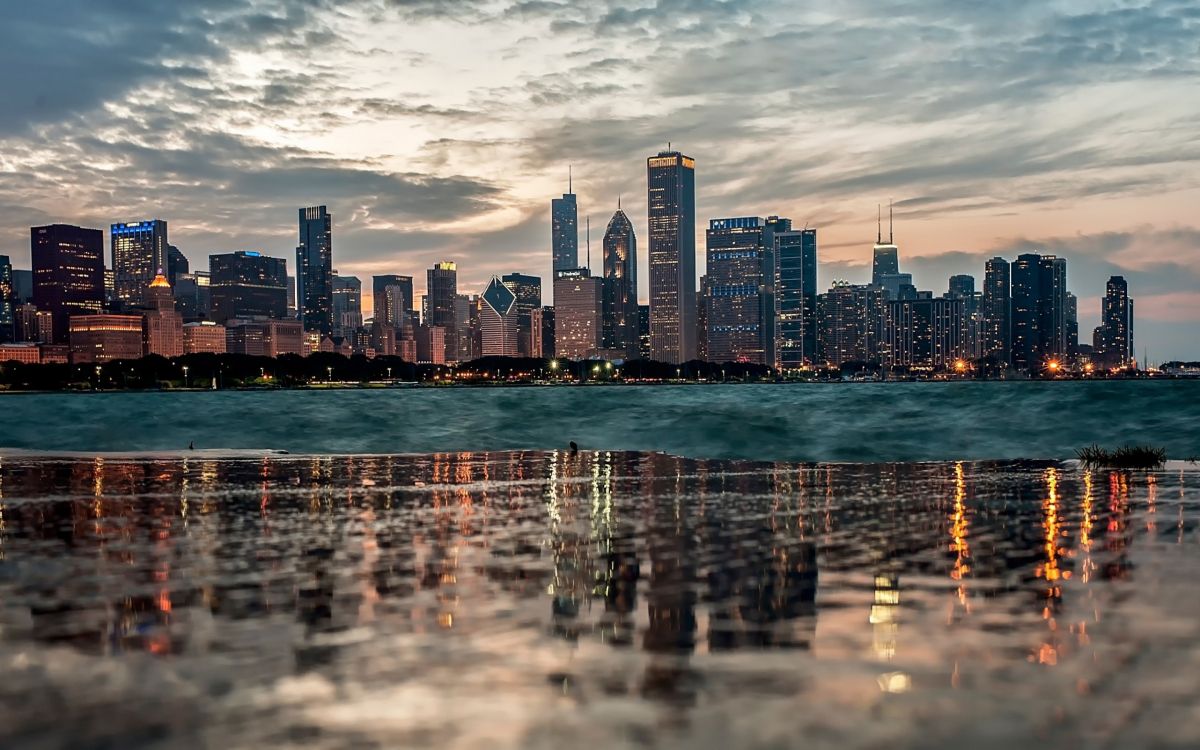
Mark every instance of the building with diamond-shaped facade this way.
pixel 499 321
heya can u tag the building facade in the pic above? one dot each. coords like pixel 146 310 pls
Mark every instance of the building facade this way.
pixel 578 314
pixel 923 334
pixel 851 324
pixel 203 337
pixel 68 273
pixel 499 321
pixel 8 307
pixel 564 232
pixel 620 286
pixel 392 299
pixel 140 251
pixel 96 339
pixel 440 295
pixel 162 325
pixel 996 311
pixel 796 298
pixel 347 305
pixel 247 285
pixel 314 270
pixel 1116 325
pixel 671 213
pixel 528 292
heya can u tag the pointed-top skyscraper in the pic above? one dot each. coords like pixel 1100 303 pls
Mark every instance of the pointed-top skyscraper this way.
pixel 886 260
pixel 671 210
pixel 564 230
pixel 620 285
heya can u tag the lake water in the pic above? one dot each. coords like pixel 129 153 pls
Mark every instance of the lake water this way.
pixel 801 422
pixel 551 600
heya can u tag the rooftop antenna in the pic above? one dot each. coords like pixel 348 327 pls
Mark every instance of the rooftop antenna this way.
pixel 589 243
pixel 618 201
pixel 891 236
pixel 570 179
pixel 879 224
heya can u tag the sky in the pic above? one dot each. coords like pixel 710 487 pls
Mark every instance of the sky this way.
pixel 441 129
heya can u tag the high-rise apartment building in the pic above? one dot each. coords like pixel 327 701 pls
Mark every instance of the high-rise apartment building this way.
pixel 796 298
pixel 1116 325
pixel 671 213
pixel 140 251
pixel 314 270
pixel 924 333
pixel 996 311
pixel 851 323
pixel 247 284
pixel 1039 311
pixel 620 286
pixel 68 273
pixel 441 291
pixel 8 309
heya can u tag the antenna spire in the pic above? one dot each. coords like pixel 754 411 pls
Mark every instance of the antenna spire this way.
pixel 891 235
pixel 589 243
pixel 879 224
pixel 618 201
pixel 570 179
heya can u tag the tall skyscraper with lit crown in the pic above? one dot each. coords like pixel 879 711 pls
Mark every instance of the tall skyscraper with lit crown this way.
pixel 314 270
pixel 671 212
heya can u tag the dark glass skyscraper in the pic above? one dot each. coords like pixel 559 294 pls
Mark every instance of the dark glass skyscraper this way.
pixel 620 286
pixel 7 299
pixel 68 273
pixel 996 309
pixel 1039 310
pixel 247 285
pixel 796 297
pixel 139 251
pixel 671 210
pixel 347 305
pixel 564 232
pixel 314 270
pixel 528 292
pixel 177 264
pixel 741 280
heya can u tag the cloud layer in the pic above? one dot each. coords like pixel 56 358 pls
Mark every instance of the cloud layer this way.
pixel 441 128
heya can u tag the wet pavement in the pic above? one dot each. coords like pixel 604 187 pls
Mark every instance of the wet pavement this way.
pixel 600 599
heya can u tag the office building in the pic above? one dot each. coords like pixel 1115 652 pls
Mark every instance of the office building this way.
pixel 702 320
pixel 392 300
pixel 68 273
pixel 383 339
pixel 1115 342
pixel 924 333
pixel 193 296
pixel 1039 311
pixel 441 291
pixel 499 321
pixel 885 260
pixel 96 339
pixel 247 284
pixel 578 313
pixel 22 286
pixel 139 253
pixel 177 264
pixel 25 353
pixel 671 213
pixel 528 291
pixel 644 332
pixel 347 305
pixel 431 346
pixel 314 270
pixel 265 338
pixel 796 298
pixel 740 296
pixel 564 231
pixel 8 308
pixel 162 325
pixel 204 337
pixel 850 324
pixel 897 286
pixel 467 311
pixel 620 285
pixel 32 325
pixel 996 311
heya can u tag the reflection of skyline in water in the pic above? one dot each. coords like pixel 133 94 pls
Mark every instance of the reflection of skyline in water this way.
pixel 682 561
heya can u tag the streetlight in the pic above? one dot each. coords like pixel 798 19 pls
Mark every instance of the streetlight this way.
pixel 960 366
pixel 389 373
pixel 97 377
pixel 186 384
pixel 330 371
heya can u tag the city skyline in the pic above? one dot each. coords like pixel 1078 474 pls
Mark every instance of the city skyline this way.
pixel 995 159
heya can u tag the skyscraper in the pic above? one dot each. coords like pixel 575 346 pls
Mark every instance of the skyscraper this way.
pixel 247 285
pixel 1039 310
pixel 162 330
pixel 564 231
pixel 347 305
pixel 886 257
pixel 499 320
pixel 7 302
pixel 671 211
pixel 1116 324
pixel 620 285
pixel 314 270
pixel 68 273
pixel 741 281
pixel 393 299
pixel 578 313
pixel 996 309
pixel 851 323
pixel 177 264
pixel 139 252
pixel 441 289
pixel 796 298
pixel 924 333
pixel 528 291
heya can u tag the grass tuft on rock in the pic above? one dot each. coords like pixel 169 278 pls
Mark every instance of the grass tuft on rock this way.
pixel 1125 457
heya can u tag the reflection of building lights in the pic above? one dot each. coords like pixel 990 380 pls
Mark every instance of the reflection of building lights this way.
pixel 895 682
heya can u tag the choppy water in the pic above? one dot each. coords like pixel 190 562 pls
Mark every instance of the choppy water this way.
pixel 595 600
pixel 802 422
